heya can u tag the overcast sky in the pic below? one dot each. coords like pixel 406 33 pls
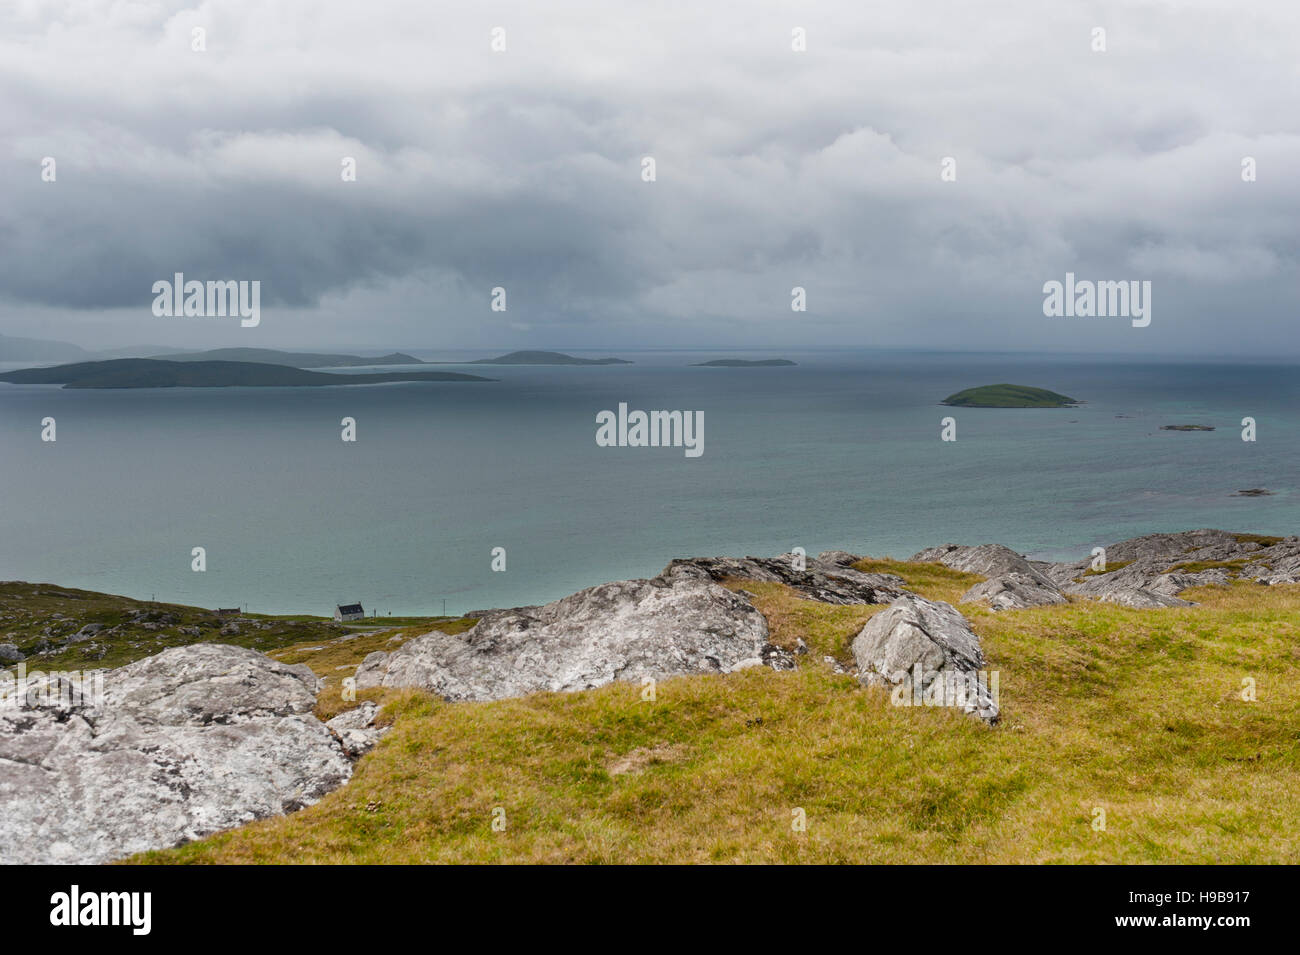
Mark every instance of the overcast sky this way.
pixel 775 168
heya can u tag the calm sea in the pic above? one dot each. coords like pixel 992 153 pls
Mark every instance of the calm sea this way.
pixel 841 452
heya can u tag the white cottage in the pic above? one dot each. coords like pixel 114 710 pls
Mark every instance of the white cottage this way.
pixel 345 612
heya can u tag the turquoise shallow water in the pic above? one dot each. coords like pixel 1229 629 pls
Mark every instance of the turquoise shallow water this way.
pixel 842 451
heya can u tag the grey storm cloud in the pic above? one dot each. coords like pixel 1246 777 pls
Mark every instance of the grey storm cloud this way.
pixel 775 168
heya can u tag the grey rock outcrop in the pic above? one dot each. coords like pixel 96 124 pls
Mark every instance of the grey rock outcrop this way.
pixel 1149 571
pixel 1014 591
pixel 1013 583
pixel 1156 567
pixel 179 745
pixel 9 653
pixel 828 578
pixel 356 729
pixel 627 630
pixel 1139 598
pixel 987 560
pixel 86 632
pixel 930 648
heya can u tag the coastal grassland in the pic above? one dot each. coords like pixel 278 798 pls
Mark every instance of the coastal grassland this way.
pixel 46 622
pixel 1137 712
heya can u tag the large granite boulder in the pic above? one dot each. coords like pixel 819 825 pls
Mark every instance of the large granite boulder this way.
pixel 627 630
pixel 929 649
pixel 177 746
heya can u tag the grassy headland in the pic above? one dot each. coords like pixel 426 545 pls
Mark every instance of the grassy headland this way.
pixel 1135 712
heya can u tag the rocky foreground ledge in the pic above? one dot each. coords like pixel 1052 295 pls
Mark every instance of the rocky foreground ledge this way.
pixel 205 737
pixel 180 745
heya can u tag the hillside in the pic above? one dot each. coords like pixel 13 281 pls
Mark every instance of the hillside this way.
pixel 1137 712
pixel 156 373
pixel 1008 396
pixel 62 628
pixel 35 349
pixel 1140 714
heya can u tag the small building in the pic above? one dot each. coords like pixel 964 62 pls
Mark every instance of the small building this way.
pixel 345 612
pixel 228 612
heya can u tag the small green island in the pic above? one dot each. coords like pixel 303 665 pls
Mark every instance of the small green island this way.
pixel 743 363
pixel 1008 396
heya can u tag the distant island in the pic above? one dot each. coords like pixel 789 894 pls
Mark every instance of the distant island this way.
pixel 743 363
pixel 36 349
pixel 544 358
pixel 270 356
pixel 1186 427
pixel 1008 396
pixel 157 373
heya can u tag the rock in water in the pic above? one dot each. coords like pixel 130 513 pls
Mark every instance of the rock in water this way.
pixel 181 744
pixel 928 639
pixel 627 630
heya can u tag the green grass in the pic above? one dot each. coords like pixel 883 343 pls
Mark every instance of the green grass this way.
pixel 39 619
pixel 1263 540
pixel 1138 712
pixel 1196 566
pixel 1008 396
pixel 1111 567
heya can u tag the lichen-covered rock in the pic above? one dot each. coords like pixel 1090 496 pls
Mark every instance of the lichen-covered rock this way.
pixel 627 630
pixel 926 644
pixel 177 746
